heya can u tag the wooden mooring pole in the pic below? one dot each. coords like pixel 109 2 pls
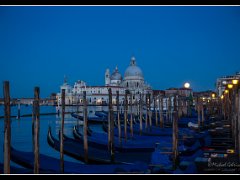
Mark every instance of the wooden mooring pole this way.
pixel 140 112
pixel 131 115
pixel 180 105
pixel 238 120
pixel 221 104
pixel 61 132
pixel 203 118
pixel 125 115
pixel 188 108
pixel 19 110
pixel 85 127
pixel 111 125
pixel 175 134
pixel 199 111
pixel 7 127
pixel 161 111
pixel 232 112
pixel 118 119
pixel 33 125
pixel 155 110
pixel 185 108
pixel 236 99
pixel 169 109
pixel 149 111
pixel 78 110
pixel 229 107
pixel 146 119
pixel 225 107
pixel 36 130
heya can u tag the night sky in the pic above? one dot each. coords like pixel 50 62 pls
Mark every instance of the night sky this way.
pixel 172 45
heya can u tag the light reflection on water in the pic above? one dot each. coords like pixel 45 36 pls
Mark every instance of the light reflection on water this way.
pixel 21 129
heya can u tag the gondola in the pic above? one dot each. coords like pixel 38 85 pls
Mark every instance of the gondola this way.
pixel 162 160
pixel 75 149
pixel 51 165
pixel 89 118
pixel 158 143
pixel 104 114
pixel 188 136
pixel 152 132
pixel 100 140
pixel 15 170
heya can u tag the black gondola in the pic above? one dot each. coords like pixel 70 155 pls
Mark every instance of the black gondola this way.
pixel 96 156
pixel 51 165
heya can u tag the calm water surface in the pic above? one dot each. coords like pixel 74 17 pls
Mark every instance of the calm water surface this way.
pixel 21 129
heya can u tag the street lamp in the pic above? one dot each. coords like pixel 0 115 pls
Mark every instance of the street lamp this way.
pixel 230 86
pixel 235 81
pixel 222 96
pixel 213 95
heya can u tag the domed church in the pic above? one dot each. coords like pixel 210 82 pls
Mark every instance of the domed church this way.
pixel 133 76
pixel 133 79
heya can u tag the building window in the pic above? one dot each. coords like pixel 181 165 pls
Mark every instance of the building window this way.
pixel 137 84
pixel 127 84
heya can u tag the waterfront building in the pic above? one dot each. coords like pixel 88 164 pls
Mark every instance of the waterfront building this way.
pixel 222 82
pixel 133 82
pixel 183 92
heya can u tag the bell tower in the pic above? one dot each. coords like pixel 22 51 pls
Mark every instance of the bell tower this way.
pixel 107 77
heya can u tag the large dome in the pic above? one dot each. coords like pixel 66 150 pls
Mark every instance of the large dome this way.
pixel 133 71
pixel 116 75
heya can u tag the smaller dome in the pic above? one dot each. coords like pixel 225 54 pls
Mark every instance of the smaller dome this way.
pixel 116 75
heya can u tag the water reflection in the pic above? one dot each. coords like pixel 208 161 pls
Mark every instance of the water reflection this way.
pixel 21 129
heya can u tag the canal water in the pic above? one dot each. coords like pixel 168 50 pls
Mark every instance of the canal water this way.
pixel 21 129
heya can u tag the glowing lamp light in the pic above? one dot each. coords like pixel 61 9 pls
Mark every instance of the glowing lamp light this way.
pixel 213 95
pixel 187 85
pixel 222 96
pixel 235 81
pixel 226 91
pixel 230 151
pixel 230 86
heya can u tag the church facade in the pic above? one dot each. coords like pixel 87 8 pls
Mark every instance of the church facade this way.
pixel 133 81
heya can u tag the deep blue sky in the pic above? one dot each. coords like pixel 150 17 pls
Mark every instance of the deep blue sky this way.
pixel 39 45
